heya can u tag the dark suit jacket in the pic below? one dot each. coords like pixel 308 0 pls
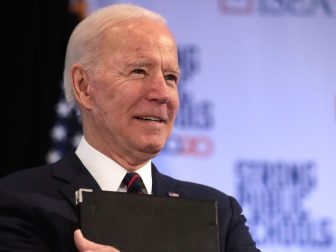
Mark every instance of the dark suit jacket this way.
pixel 38 211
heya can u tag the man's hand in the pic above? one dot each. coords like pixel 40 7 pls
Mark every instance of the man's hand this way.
pixel 84 245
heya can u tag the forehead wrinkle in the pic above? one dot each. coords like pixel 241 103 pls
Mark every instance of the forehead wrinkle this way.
pixel 139 63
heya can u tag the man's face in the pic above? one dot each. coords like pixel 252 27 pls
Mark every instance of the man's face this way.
pixel 134 94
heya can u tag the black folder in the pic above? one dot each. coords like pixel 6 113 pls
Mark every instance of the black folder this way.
pixel 147 223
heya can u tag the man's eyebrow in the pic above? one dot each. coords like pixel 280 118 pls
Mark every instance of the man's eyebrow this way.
pixel 139 63
pixel 176 70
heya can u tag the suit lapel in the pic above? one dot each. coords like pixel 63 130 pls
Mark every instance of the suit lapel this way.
pixel 162 185
pixel 75 175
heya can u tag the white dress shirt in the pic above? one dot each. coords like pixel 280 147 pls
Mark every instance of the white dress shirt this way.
pixel 108 173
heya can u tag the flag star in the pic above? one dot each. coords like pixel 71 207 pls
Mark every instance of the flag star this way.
pixel 76 139
pixel 58 132
pixel 64 108
pixel 53 156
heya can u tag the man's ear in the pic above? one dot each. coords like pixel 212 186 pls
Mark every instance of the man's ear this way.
pixel 80 86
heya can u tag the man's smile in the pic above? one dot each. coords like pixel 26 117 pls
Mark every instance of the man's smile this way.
pixel 152 119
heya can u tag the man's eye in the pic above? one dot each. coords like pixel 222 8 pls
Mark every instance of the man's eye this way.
pixel 171 77
pixel 139 71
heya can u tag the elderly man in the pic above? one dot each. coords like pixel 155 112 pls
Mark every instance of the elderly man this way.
pixel 122 72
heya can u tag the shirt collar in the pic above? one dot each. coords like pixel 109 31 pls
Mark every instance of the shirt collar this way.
pixel 108 173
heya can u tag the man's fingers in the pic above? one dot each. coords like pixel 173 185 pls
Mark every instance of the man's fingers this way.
pixel 84 245
pixel 80 241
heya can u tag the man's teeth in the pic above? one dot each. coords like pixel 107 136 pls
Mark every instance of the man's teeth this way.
pixel 151 119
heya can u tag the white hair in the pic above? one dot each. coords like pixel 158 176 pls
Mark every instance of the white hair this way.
pixel 84 42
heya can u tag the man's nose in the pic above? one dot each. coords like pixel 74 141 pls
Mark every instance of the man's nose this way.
pixel 158 90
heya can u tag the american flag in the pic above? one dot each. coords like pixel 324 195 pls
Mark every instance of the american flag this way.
pixel 66 131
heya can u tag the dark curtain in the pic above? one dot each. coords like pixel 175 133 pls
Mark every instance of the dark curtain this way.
pixel 35 36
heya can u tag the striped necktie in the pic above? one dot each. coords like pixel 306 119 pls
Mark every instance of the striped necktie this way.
pixel 134 183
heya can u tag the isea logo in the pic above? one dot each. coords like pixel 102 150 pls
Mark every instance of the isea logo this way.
pixel 277 7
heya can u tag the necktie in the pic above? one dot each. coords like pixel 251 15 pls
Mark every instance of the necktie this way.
pixel 134 183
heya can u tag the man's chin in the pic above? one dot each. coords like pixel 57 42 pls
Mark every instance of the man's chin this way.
pixel 153 148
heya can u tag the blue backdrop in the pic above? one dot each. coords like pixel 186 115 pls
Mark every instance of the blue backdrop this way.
pixel 258 112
